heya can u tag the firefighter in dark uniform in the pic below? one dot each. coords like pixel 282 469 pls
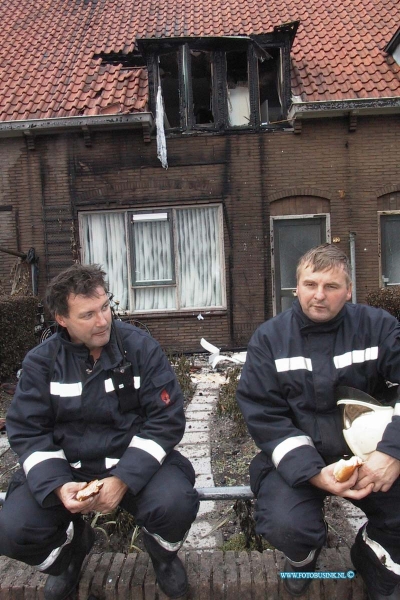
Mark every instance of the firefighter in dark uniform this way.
pixel 97 400
pixel 287 392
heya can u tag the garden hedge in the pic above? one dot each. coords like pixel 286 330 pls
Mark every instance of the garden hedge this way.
pixel 17 325
pixel 387 298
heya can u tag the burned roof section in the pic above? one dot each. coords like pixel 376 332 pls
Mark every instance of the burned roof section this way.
pixel 65 59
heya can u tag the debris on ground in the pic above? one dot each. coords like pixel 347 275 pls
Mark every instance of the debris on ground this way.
pixel 238 358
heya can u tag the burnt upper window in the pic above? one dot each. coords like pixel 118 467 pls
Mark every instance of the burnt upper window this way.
pixel 201 69
pixel 168 69
pixel 221 83
pixel 393 47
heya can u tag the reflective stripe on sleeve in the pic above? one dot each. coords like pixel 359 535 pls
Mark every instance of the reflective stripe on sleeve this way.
pixel 37 457
pixel 355 356
pixel 294 363
pixel 108 462
pixel 65 390
pixel 149 446
pixel 288 445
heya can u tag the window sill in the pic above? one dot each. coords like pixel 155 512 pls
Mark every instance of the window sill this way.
pixel 179 315
pixel 270 128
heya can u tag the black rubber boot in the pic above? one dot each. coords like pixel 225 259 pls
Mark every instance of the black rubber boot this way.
pixel 170 572
pixel 60 586
pixel 381 583
pixel 395 595
pixel 298 587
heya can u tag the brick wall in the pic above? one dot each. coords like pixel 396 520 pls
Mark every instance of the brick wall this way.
pixel 8 240
pixel 253 176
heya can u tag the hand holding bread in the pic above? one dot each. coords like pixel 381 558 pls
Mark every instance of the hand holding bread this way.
pixel 92 489
pixel 344 469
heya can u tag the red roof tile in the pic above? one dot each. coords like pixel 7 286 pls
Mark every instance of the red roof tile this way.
pixel 48 66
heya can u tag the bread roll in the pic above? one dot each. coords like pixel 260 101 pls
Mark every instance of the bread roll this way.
pixel 91 489
pixel 344 469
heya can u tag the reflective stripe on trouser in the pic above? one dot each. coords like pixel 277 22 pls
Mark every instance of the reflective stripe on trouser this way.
pixel 54 554
pixel 170 546
pixel 302 563
pixel 377 577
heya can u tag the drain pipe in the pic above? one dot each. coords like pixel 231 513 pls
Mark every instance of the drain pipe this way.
pixel 353 265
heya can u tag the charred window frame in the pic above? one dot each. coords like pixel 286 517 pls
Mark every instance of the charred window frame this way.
pixel 393 47
pixel 222 83
pixel 271 100
pixel 273 75
pixel 188 84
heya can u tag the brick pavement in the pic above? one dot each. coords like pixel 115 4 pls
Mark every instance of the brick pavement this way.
pixel 212 575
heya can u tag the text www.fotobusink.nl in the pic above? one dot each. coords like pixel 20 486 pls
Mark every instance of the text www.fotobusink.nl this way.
pixel 318 575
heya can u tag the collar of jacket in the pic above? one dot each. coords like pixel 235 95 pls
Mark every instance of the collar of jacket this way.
pixel 308 326
pixel 110 356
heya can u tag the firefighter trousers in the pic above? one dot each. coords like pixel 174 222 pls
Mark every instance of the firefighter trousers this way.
pixel 166 507
pixel 292 519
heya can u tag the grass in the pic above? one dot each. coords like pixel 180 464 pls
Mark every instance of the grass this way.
pixel 238 542
pixel 117 524
pixel 181 365
pixel 227 405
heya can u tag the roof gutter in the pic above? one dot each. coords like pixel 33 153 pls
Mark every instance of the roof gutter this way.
pixel 30 127
pixel 340 108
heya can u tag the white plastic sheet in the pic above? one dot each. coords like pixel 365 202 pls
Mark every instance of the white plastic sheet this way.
pixel 215 357
pixel 161 141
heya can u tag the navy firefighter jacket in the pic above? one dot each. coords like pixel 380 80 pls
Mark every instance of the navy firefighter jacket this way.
pixel 287 388
pixel 65 421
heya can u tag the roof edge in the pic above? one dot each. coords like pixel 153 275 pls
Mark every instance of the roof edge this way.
pixel 57 124
pixel 337 108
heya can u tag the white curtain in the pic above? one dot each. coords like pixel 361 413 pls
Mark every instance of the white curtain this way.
pixel 239 105
pixel 152 251
pixel 153 263
pixel 104 243
pixel 155 298
pixel 199 257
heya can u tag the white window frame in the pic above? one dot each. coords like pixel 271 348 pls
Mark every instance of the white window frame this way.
pixel 147 216
pixel 272 246
pixel 128 214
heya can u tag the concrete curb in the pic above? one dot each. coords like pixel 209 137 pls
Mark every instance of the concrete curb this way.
pixel 196 446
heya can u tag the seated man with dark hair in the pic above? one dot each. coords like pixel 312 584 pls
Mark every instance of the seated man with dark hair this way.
pixel 97 400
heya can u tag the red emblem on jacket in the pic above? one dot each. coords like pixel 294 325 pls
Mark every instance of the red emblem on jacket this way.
pixel 165 397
